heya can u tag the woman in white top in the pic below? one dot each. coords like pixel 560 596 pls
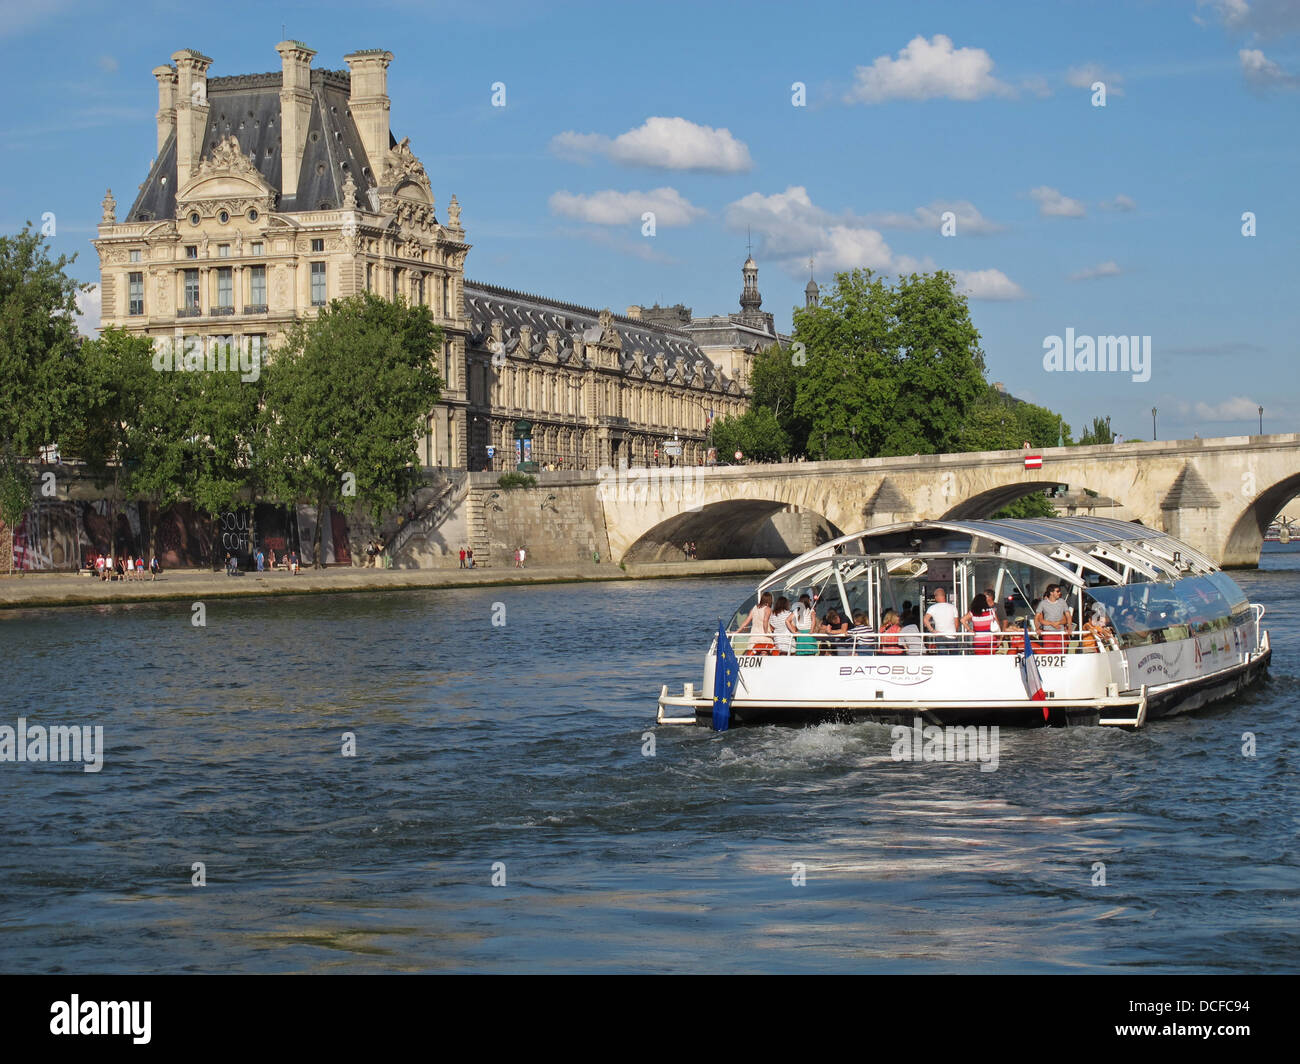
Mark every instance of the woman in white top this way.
pixel 805 622
pixel 759 622
pixel 783 626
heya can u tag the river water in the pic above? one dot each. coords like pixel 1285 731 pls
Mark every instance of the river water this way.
pixel 517 752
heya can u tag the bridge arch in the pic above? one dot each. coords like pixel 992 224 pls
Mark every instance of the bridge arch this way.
pixel 985 504
pixel 735 528
pixel 1245 538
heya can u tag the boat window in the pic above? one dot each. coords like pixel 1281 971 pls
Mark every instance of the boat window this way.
pixel 1160 612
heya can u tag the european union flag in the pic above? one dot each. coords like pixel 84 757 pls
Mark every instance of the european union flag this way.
pixel 726 674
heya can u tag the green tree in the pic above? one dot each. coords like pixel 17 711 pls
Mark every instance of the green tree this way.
pixel 38 345
pixel 938 362
pixel 38 359
pixel 346 399
pixel 755 433
pixel 890 370
pixel 847 388
pixel 774 384
pixel 1099 433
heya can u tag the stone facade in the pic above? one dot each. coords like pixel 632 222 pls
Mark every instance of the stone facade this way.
pixel 731 341
pixel 273 194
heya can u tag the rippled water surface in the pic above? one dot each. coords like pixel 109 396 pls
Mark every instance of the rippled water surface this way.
pixel 523 744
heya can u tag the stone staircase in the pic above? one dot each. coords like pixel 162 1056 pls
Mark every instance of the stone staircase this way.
pixel 435 512
pixel 476 521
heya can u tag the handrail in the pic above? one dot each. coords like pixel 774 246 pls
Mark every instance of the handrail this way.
pixel 448 499
pixel 891 644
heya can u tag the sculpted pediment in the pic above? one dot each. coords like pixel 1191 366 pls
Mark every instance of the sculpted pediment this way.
pixel 225 173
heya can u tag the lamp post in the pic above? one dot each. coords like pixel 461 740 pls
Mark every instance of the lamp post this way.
pixel 1153 423
pixel 1261 421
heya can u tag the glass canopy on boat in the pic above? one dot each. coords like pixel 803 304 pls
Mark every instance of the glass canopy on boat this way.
pixel 1076 551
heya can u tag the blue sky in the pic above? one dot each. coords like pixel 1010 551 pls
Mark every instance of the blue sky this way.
pixel 1124 219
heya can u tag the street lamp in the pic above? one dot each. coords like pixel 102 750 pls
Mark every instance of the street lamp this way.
pixel 1261 421
pixel 1153 422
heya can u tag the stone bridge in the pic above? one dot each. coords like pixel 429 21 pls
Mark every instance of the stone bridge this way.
pixel 1219 495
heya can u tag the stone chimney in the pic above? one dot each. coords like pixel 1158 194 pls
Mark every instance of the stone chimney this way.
pixel 166 76
pixel 369 103
pixel 191 109
pixel 295 112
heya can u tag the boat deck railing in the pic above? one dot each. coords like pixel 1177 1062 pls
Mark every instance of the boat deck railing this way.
pixel 873 644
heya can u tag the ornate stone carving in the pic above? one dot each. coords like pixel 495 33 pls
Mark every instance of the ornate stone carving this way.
pixel 227 155
pixel 453 212
pixel 351 235
pixel 109 206
pixel 402 165
pixel 349 193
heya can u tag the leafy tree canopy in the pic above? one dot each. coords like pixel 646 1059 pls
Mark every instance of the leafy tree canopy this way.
pixel 346 398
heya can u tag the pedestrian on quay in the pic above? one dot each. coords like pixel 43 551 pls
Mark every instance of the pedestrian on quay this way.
pixel 516 557
pixel 261 561
pixel 154 568
pixel 523 558
pixel 462 557
pixel 469 556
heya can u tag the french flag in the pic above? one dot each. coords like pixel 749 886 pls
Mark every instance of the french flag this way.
pixel 1029 674
pixel 1033 461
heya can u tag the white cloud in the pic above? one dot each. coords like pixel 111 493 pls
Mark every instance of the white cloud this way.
pixel 636 247
pixel 1238 408
pixel 1051 204
pixel 1102 269
pixel 927 70
pixel 1264 18
pixel 662 144
pixel 794 229
pixel 1120 202
pixel 89 311
pixel 611 207
pixel 1262 73
pixel 1083 77
pixel 969 221
pixel 107 64
pixel 988 284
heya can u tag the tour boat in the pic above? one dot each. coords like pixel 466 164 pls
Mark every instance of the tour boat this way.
pixel 1167 630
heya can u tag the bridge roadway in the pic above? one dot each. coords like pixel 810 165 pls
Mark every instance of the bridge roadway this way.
pixel 1219 494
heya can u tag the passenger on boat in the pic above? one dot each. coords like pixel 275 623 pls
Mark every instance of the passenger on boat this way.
pixel 910 635
pixel 1054 620
pixel 941 621
pixel 783 626
pixel 992 599
pixel 759 622
pixel 1098 629
pixel 1013 637
pixel 983 622
pixel 859 636
pixel 834 628
pixel 890 630
pixel 805 622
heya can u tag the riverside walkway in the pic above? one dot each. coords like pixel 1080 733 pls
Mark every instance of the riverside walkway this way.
pixel 40 590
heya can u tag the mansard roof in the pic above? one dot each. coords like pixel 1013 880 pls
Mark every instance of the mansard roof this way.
pixel 642 342
pixel 247 107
